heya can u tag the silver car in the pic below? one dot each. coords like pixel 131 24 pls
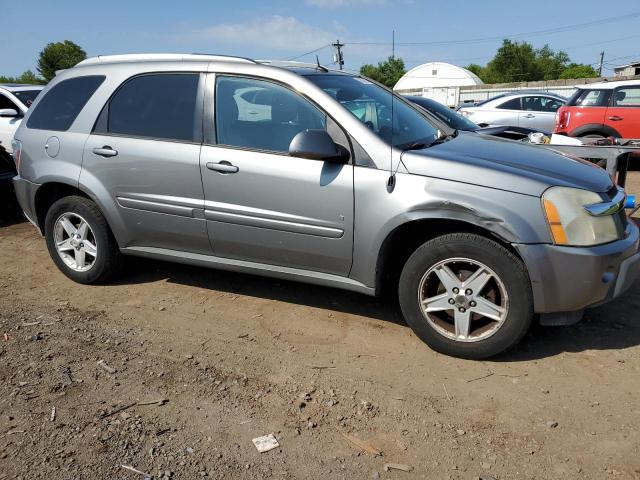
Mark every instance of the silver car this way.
pixel 306 174
pixel 535 110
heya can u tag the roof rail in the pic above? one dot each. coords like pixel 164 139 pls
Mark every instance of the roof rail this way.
pixel 161 57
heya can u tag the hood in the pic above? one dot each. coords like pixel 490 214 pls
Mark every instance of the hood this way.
pixel 506 165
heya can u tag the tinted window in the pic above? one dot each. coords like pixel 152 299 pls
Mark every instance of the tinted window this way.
pixel 261 115
pixel 513 104
pixel 541 104
pixel 371 104
pixel 6 103
pixel 444 113
pixel 627 97
pixel 27 97
pixel 62 104
pixel 590 98
pixel 155 106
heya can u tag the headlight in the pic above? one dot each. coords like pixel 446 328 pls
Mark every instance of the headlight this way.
pixel 570 222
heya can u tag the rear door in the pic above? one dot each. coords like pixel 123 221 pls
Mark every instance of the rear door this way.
pixel 624 113
pixel 261 204
pixel 143 155
pixel 539 112
pixel 8 125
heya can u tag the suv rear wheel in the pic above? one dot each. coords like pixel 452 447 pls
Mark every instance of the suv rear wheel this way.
pixel 80 241
pixel 466 295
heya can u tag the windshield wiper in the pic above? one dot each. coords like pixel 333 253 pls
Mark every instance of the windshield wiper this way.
pixel 416 146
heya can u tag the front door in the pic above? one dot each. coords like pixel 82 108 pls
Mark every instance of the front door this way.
pixel 144 154
pixel 263 205
pixel 624 113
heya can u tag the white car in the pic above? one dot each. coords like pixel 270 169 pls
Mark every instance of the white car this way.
pixel 15 100
pixel 535 110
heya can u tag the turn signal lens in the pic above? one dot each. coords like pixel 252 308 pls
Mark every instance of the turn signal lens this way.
pixel 553 217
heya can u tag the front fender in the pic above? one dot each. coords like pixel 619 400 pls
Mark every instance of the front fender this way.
pixel 512 217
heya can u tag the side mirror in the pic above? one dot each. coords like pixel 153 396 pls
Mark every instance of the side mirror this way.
pixel 9 112
pixel 318 145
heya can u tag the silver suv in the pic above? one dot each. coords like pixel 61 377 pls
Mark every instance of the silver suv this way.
pixel 306 174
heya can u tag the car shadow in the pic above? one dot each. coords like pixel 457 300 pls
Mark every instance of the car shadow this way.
pixel 612 326
pixel 10 213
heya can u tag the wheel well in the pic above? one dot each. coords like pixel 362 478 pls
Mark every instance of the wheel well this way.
pixel 48 194
pixel 404 240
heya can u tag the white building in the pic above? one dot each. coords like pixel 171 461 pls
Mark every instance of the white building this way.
pixel 627 70
pixel 438 81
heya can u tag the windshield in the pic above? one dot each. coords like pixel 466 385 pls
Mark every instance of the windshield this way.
pixel 371 104
pixel 444 113
pixel 27 97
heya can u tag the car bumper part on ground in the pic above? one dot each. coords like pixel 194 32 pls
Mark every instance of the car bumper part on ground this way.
pixel 569 279
pixel 26 195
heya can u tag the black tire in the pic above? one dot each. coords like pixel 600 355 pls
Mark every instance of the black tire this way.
pixel 510 270
pixel 109 259
pixel 593 135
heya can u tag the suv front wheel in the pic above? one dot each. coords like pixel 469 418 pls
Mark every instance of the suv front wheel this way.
pixel 79 240
pixel 466 295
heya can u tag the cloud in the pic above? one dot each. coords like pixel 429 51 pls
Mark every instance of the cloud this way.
pixel 276 32
pixel 345 3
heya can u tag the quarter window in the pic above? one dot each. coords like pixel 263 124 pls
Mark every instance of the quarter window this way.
pixel 161 106
pixel 261 115
pixel 60 106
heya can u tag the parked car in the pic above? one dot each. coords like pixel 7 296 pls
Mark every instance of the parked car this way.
pixel 458 122
pixel 608 109
pixel 15 100
pixel 523 109
pixel 154 156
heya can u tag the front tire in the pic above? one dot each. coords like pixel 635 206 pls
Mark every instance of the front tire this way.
pixel 466 296
pixel 80 242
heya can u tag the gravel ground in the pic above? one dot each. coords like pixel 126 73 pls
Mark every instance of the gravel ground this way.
pixel 173 370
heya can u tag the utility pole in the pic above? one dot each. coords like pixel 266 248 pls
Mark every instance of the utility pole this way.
pixel 339 58
pixel 393 44
pixel 601 62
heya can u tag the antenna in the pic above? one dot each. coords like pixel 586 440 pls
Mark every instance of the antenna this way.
pixel 391 181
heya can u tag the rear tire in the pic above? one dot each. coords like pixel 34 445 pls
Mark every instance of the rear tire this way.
pixel 80 241
pixel 456 322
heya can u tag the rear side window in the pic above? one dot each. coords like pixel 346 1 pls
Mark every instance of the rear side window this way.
pixel 161 106
pixel 513 104
pixel 590 98
pixel 62 104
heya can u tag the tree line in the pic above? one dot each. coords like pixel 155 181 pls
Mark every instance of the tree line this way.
pixel 513 62
pixel 55 56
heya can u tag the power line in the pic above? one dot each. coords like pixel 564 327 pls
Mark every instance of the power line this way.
pixel 515 35
pixel 308 53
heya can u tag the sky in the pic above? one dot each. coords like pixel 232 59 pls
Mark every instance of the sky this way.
pixel 455 31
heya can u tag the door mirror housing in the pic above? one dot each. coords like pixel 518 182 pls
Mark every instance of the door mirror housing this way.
pixel 318 145
pixel 9 112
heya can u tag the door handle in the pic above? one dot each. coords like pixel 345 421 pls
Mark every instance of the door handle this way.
pixel 530 116
pixel 615 118
pixel 105 151
pixel 222 167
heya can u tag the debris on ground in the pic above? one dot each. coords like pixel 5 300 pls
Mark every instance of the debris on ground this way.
pixel 397 466
pixel 103 365
pixel 265 443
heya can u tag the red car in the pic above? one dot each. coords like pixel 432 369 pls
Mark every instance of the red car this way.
pixel 609 109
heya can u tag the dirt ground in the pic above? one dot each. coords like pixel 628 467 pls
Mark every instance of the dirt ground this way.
pixel 173 370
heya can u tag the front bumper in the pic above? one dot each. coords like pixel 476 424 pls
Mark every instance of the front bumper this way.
pixel 26 195
pixel 568 279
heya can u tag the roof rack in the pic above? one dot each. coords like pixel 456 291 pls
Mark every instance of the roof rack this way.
pixel 161 57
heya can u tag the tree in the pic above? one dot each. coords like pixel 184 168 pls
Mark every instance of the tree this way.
pixel 576 70
pixel 388 72
pixel 58 56
pixel 27 77
pixel 521 62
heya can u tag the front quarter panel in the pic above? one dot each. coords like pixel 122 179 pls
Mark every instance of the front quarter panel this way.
pixel 512 217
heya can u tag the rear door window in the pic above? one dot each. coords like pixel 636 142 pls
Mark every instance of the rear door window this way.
pixel 158 106
pixel 627 97
pixel 60 106
pixel 513 104
pixel 541 104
